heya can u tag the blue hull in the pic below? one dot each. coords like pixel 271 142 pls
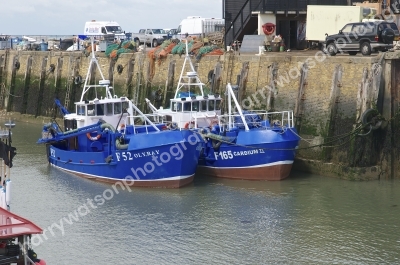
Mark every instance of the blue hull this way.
pixel 159 159
pixel 258 154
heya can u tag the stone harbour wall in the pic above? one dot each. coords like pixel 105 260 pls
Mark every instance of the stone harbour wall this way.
pixel 327 94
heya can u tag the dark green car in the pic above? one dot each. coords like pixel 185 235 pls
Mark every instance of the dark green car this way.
pixel 365 37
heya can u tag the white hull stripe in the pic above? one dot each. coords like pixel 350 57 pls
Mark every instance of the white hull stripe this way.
pixel 285 162
pixel 138 180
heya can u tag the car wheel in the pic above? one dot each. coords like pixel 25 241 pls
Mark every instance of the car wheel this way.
pixel 331 49
pixel 365 48
pixel 155 43
pixel 352 53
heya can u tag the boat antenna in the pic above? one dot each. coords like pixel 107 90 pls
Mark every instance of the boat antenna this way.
pixel 93 61
pixel 193 73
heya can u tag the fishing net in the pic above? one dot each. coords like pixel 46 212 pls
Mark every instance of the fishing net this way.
pixel 164 53
pixel 180 48
pixel 215 52
pixel 111 48
pixel 204 50
pixel 113 54
pixel 160 48
pixel 122 50
pixel 196 47
pixel 114 50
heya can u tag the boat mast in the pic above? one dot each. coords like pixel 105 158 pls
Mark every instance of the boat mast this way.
pixel 188 77
pixel 103 82
pixel 231 95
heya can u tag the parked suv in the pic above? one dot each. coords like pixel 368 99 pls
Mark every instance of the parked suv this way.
pixel 365 37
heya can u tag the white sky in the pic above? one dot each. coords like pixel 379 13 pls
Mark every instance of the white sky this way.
pixel 68 17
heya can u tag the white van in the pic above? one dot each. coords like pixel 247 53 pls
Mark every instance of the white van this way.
pixel 198 26
pixel 103 28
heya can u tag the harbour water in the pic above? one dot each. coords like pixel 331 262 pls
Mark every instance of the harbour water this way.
pixel 305 219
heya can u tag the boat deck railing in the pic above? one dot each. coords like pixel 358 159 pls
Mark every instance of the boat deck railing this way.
pixel 141 125
pixel 259 119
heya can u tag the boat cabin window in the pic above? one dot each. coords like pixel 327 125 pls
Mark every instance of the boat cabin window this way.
pixel 109 109
pixel 90 110
pixel 204 105
pixel 100 109
pixel 70 125
pixel 195 106
pixel 125 105
pixel 117 108
pixel 211 104
pixel 176 106
pixel 80 110
pixel 187 106
pixel 218 104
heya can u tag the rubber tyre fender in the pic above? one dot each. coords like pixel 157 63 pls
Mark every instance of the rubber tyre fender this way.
pixel 17 65
pixel 368 118
pixel 137 42
pixel 353 53
pixel 210 76
pixel 120 68
pixel 78 80
pixel 365 48
pixel 52 68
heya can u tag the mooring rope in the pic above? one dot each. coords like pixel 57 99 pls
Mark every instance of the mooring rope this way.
pixel 354 133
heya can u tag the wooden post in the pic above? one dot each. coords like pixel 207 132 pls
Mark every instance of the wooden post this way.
pixel 333 107
pixel 377 87
pixel 111 70
pixel 272 90
pixel 57 77
pixel 10 99
pixel 129 84
pixel 243 81
pixel 27 82
pixel 42 84
pixel 2 79
pixel 390 161
pixel 362 95
pixel 75 63
pixel 217 78
pixel 146 93
pixel 168 90
pixel 93 70
pixel 298 109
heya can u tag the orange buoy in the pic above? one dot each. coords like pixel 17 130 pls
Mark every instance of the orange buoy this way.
pixel 189 125
pixel 93 138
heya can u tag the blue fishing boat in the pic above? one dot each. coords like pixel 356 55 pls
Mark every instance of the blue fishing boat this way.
pixel 252 145
pixel 192 106
pixel 109 139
